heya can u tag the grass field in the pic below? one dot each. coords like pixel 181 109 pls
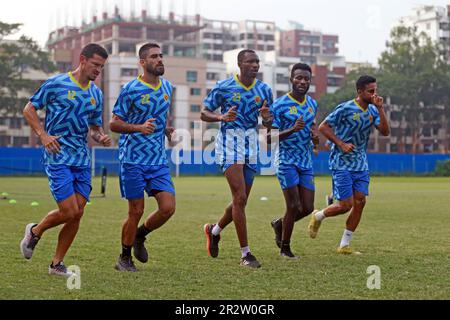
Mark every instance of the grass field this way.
pixel 405 231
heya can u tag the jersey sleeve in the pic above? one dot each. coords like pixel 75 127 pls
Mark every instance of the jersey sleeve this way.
pixel 376 117
pixel 334 118
pixel 95 118
pixel 123 105
pixel 44 95
pixel 214 99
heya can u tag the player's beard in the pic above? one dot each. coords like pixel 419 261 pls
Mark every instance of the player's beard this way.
pixel 368 101
pixel 157 71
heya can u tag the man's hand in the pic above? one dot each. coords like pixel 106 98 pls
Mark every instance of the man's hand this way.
pixel 148 127
pixel 105 140
pixel 265 112
pixel 50 143
pixel 377 101
pixel 299 124
pixel 346 147
pixel 168 132
pixel 230 116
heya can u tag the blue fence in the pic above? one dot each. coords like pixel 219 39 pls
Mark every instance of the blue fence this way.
pixel 27 161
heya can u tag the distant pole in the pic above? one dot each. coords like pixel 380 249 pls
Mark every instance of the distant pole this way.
pixel 104 173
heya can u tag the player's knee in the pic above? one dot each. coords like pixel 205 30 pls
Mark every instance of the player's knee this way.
pixel 345 206
pixel 77 214
pixel 167 210
pixel 294 207
pixel 240 199
pixel 360 202
pixel 307 209
pixel 135 214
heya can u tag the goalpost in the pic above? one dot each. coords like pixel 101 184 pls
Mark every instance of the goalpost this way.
pixel 103 158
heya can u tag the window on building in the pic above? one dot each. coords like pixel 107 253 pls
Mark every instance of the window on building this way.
pixel 4 141
pixel 212 76
pixel 191 76
pixel 196 91
pixel 195 108
pixel 195 124
pixel 129 72
pixel 394 147
pixel 20 141
pixel 15 123
pixel 279 93
pixel 426 132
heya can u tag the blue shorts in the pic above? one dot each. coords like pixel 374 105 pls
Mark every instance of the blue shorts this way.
pixel 291 175
pixel 249 172
pixel 136 178
pixel 345 183
pixel 65 181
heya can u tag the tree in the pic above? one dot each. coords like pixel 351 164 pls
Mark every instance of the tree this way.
pixel 416 76
pixel 16 57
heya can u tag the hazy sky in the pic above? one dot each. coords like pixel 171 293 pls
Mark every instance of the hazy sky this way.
pixel 362 26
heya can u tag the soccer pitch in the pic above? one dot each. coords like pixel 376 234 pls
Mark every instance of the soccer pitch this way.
pixel 404 231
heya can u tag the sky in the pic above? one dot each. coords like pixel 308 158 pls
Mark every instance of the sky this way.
pixel 363 27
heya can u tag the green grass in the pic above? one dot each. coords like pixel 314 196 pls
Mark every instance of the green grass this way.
pixel 404 230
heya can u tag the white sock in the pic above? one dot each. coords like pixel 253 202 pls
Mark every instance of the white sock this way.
pixel 346 237
pixel 216 230
pixel 244 251
pixel 320 215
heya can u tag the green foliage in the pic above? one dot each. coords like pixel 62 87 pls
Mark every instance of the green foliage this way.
pixel 16 58
pixel 443 168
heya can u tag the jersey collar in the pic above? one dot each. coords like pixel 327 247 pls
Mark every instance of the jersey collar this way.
pixel 77 83
pixel 148 84
pixel 242 85
pixel 296 101
pixel 362 109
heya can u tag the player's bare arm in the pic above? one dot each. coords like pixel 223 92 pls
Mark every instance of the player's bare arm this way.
pixel 383 127
pixel 266 115
pixel 99 136
pixel 209 116
pixel 50 143
pixel 299 125
pixel 328 132
pixel 118 125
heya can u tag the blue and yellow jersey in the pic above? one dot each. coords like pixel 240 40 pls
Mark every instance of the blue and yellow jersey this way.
pixel 139 101
pixel 69 111
pixel 238 140
pixel 352 124
pixel 297 148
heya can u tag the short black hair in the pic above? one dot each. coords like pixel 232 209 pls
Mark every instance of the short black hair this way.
pixel 363 81
pixel 300 66
pixel 143 51
pixel 92 48
pixel 242 53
